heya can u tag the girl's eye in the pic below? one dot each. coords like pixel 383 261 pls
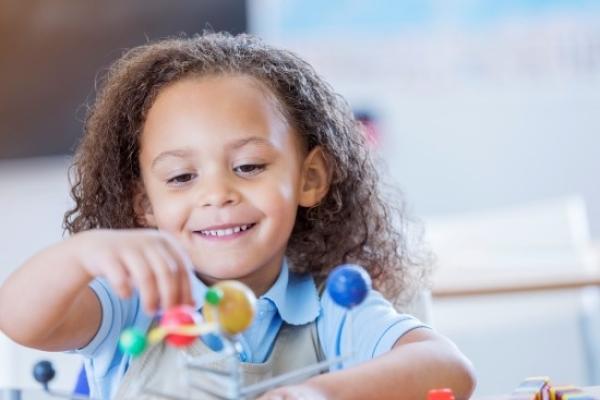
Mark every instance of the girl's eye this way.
pixel 249 169
pixel 180 179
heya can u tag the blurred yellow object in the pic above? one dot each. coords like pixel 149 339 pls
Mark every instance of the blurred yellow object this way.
pixel 159 333
pixel 235 311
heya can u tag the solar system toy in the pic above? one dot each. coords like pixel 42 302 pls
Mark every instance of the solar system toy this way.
pixel 228 310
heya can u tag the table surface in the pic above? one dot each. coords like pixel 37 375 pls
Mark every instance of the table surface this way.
pixel 480 283
pixel 27 394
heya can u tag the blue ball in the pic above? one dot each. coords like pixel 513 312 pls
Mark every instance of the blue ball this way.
pixel 348 285
pixel 213 341
pixel 43 372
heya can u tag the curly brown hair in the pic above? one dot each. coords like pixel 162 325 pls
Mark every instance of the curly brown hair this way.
pixel 353 223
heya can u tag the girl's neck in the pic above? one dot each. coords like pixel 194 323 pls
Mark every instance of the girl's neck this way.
pixel 259 283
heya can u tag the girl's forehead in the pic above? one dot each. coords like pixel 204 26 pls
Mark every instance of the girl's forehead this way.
pixel 234 97
pixel 218 87
pixel 220 108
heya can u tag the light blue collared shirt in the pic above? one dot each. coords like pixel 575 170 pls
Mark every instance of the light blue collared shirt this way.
pixel 292 299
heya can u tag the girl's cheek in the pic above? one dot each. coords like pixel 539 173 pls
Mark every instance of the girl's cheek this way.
pixel 286 191
pixel 286 185
pixel 170 215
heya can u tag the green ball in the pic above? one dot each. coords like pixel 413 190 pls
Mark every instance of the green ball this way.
pixel 133 342
pixel 213 296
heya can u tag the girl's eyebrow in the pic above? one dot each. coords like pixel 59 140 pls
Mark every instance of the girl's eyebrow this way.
pixel 179 153
pixel 249 140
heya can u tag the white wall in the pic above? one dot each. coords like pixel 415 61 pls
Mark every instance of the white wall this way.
pixel 33 198
pixel 490 145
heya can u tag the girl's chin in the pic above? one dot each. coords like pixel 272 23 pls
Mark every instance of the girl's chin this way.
pixel 211 277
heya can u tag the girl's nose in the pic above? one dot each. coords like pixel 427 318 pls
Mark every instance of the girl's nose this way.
pixel 218 192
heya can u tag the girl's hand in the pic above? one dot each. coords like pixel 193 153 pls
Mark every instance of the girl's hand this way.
pixel 147 259
pixel 302 391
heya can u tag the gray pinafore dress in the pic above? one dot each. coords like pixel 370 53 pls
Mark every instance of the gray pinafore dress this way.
pixel 160 369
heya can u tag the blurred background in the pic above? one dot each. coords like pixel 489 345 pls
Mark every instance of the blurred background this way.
pixel 486 112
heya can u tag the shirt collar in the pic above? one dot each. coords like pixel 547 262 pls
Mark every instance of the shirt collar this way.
pixel 294 295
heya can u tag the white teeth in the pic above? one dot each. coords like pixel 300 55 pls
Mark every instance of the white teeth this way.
pixel 225 232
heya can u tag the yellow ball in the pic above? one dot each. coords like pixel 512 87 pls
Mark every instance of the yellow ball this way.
pixel 235 310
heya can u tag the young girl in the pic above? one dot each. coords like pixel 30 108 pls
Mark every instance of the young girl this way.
pixel 219 157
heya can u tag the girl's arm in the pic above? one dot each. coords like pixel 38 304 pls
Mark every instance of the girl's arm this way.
pixel 47 303
pixel 421 360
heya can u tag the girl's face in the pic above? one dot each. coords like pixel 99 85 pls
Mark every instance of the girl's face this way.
pixel 224 172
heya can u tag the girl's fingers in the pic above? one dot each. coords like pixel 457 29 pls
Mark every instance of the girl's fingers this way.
pixel 184 264
pixel 116 275
pixel 185 287
pixel 165 268
pixel 178 250
pixel 144 278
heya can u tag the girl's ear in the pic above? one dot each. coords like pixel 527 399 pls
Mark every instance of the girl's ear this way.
pixel 315 179
pixel 144 215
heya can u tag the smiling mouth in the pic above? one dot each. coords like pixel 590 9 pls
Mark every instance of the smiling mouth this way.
pixel 226 232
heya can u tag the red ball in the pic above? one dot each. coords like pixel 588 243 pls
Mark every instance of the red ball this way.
pixel 174 318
